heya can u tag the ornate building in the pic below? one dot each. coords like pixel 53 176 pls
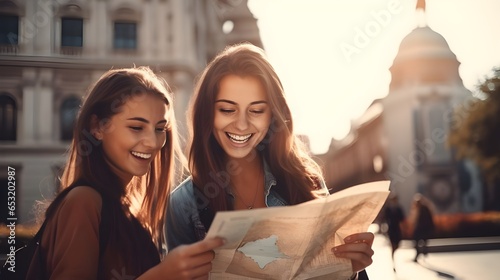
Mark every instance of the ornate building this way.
pixel 402 137
pixel 52 50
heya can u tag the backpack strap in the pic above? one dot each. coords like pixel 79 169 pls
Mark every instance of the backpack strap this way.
pixel 37 240
pixel 104 225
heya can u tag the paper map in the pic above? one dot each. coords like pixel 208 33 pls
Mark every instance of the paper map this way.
pixel 294 242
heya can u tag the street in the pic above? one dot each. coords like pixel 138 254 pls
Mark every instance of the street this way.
pixel 460 265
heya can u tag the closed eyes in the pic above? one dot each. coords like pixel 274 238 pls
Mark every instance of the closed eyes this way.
pixel 140 128
pixel 136 128
pixel 257 111
pixel 229 111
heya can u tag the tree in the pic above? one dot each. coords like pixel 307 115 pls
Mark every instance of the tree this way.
pixel 475 131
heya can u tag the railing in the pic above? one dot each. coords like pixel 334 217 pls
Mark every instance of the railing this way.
pixel 9 48
pixel 74 51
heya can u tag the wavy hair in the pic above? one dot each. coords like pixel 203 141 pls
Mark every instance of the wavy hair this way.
pixel 296 173
pixel 86 157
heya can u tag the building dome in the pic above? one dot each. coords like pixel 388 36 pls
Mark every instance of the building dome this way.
pixel 423 42
pixel 424 57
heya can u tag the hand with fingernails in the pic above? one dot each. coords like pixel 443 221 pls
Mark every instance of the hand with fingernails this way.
pixel 357 248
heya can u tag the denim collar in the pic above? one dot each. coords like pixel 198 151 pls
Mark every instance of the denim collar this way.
pixel 270 181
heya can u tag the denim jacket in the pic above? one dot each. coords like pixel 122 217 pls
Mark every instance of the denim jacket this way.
pixel 183 223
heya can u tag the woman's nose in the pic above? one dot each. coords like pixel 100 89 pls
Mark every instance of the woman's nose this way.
pixel 150 140
pixel 242 121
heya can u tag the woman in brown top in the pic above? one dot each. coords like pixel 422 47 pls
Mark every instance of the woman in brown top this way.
pixel 122 160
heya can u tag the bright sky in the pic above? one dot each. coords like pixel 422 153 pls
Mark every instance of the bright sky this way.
pixel 331 72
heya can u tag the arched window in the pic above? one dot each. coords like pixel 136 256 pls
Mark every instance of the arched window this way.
pixel 8 118
pixel 69 110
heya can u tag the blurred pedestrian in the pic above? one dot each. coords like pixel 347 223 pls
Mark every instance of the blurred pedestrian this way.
pixel 394 216
pixel 424 227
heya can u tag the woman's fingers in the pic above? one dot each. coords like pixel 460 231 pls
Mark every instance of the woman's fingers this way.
pixel 204 246
pixel 202 259
pixel 358 249
pixel 363 237
pixel 191 261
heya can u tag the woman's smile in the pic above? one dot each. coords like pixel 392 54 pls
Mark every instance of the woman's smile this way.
pixel 141 155
pixel 239 139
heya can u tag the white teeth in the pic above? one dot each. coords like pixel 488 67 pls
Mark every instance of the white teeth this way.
pixel 239 138
pixel 141 155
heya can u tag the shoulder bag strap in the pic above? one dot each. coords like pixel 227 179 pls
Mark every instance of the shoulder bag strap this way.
pixel 104 225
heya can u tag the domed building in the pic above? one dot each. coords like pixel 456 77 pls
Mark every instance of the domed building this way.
pixel 424 57
pixel 424 90
pixel 402 137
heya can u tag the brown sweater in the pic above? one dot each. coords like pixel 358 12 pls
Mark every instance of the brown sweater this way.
pixel 70 242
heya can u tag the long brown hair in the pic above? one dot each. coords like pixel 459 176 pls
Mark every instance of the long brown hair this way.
pixel 86 156
pixel 296 173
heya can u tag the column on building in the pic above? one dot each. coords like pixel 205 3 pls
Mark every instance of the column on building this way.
pixel 43 19
pixel 91 29
pixel 182 21
pixel 45 103
pixel 148 29
pixel 161 30
pixel 103 29
pixel 28 29
pixel 201 24
pixel 27 135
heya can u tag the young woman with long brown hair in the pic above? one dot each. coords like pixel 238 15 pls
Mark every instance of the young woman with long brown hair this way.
pixel 120 169
pixel 243 153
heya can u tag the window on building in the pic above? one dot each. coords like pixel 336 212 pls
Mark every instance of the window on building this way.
pixel 9 29
pixel 125 36
pixel 71 32
pixel 69 110
pixel 8 118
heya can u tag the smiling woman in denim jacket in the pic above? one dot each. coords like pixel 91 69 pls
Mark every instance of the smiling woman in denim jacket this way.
pixel 243 153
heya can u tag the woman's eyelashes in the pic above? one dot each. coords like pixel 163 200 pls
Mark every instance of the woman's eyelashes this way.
pixel 252 111
pixel 160 129
pixel 226 111
pixel 257 112
pixel 136 128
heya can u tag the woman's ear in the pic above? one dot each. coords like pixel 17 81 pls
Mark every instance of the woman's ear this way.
pixel 95 128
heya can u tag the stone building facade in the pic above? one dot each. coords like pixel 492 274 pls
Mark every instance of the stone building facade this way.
pixel 51 51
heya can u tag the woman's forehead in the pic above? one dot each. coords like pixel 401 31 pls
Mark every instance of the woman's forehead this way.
pixel 246 89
